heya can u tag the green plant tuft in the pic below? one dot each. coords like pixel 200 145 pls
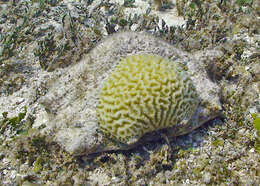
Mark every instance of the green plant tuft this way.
pixel 256 123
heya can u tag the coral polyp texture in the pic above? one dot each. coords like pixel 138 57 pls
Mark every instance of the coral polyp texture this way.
pixel 145 93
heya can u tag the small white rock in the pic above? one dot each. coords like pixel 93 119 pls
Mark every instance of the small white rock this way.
pixel 252 150
pixel 206 177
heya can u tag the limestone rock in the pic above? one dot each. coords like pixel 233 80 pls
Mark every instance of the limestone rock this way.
pixel 69 106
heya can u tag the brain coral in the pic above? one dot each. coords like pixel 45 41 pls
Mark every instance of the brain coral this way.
pixel 145 93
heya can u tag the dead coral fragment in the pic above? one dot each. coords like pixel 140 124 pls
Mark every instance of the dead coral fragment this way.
pixel 143 94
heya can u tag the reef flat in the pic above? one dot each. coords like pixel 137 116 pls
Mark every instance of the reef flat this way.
pixel 41 41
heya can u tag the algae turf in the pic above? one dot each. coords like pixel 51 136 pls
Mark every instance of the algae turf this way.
pixel 222 152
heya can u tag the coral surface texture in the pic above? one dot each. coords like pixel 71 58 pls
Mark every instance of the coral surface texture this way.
pixel 143 94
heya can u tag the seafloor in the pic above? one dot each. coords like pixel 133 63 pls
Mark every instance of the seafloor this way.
pixel 41 36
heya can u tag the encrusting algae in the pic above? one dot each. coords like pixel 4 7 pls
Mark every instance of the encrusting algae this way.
pixel 143 94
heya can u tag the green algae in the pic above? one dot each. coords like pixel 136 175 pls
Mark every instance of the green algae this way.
pixel 14 122
pixel 218 142
pixel 37 165
pixel 256 123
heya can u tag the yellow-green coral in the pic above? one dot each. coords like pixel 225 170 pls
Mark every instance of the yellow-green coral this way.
pixel 143 94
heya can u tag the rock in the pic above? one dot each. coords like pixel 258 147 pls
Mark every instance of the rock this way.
pixel 68 109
